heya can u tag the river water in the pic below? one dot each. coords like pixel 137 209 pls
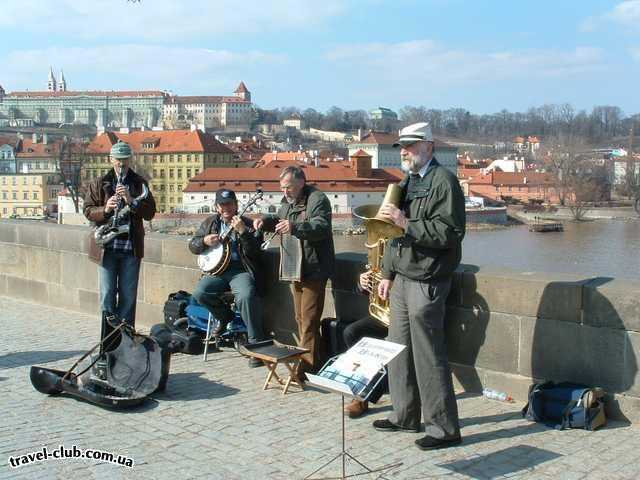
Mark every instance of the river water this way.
pixel 593 248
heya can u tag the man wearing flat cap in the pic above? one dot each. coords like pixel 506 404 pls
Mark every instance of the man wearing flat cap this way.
pixel 243 276
pixel 417 272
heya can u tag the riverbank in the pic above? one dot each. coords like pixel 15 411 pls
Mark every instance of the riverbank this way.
pixel 565 214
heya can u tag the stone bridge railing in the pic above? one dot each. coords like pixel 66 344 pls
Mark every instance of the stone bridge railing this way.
pixel 503 329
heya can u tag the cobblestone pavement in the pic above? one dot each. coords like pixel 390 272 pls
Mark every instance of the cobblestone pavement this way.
pixel 215 422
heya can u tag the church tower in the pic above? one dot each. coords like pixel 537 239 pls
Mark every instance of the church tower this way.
pixel 62 83
pixel 51 84
pixel 243 92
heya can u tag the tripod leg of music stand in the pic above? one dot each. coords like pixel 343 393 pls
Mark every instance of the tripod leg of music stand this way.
pixel 344 451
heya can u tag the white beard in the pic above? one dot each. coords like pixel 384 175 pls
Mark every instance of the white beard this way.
pixel 411 167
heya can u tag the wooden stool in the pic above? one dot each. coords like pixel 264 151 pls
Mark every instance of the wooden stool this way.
pixel 272 353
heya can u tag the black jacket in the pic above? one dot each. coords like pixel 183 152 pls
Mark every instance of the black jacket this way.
pixel 432 244
pixel 248 247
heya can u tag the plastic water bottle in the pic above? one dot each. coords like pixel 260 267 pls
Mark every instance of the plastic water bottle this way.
pixel 496 395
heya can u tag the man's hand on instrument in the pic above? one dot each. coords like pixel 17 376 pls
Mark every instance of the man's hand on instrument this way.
pixel 238 225
pixel 258 223
pixel 365 279
pixel 383 289
pixel 283 226
pixel 394 214
pixel 211 240
pixel 123 192
pixel 111 204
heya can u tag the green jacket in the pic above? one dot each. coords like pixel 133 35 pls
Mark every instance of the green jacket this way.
pixel 311 224
pixel 432 244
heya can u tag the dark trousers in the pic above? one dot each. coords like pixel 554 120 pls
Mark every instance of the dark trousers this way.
pixel 367 327
pixel 308 303
pixel 420 377
pixel 243 287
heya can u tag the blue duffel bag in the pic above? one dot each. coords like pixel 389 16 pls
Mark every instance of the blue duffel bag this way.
pixel 565 405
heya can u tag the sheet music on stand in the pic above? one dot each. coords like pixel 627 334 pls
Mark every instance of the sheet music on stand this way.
pixel 359 370
pixel 355 373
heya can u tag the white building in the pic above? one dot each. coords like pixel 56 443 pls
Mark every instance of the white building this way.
pixel 213 112
pixel 383 155
pixel 347 184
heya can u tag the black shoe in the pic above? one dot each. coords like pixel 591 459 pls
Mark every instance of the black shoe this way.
pixel 430 443
pixel 387 426
pixel 255 362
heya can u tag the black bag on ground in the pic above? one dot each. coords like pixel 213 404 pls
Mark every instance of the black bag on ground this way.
pixel 332 336
pixel 177 338
pixel 175 307
pixel 565 405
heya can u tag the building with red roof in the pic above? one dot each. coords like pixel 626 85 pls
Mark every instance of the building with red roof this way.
pixel 57 105
pixel 521 186
pixel 213 112
pixel 168 158
pixel 347 184
pixel 124 108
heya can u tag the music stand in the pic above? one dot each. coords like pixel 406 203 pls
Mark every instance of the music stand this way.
pixel 345 385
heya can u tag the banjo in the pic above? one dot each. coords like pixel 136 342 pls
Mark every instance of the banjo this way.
pixel 215 260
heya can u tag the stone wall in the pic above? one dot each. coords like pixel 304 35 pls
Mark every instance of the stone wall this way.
pixel 503 329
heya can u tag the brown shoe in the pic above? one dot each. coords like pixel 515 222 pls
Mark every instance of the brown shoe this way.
pixel 356 408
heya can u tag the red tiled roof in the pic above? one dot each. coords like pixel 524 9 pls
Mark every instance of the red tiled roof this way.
pixel 511 178
pixel 166 141
pixel 338 178
pixel 182 100
pixel 466 173
pixel 98 93
pixel 30 149
pixel 8 140
pixel 269 157
pixel 361 153
pixel 379 138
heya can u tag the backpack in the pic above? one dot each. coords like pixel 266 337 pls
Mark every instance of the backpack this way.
pixel 565 405
pixel 175 307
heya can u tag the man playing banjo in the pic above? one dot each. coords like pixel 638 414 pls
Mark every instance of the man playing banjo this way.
pixel 244 273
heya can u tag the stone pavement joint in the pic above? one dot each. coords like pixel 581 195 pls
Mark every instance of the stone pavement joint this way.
pixel 214 421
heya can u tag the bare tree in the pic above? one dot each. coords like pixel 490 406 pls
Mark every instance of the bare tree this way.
pixel 589 184
pixel 631 186
pixel 71 157
pixel 563 156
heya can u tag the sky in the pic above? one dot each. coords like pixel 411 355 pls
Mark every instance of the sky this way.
pixel 481 55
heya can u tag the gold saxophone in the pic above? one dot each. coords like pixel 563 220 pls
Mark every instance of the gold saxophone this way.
pixel 379 232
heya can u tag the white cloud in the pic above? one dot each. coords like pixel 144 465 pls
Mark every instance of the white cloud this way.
pixel 625 14
pixel 132 66
pixel 427 61
pixel 635 53
pixel 166 20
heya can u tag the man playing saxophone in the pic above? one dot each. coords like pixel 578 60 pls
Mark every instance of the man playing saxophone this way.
pixel 421 264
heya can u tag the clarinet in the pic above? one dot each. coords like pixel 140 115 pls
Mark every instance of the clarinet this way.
pixel 114 222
